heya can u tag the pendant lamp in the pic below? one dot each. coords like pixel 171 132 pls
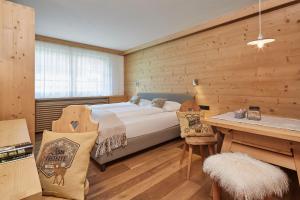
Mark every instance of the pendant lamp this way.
pixel 261 41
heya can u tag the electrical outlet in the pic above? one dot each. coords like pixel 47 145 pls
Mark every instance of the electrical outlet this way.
pixel 204 107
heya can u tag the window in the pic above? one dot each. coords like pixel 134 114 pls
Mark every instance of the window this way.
pixel 63 71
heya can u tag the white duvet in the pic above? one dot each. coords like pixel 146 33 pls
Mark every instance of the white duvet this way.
pixel 140 120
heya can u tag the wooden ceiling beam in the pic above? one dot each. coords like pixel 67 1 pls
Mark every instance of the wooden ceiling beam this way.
pixel 77 44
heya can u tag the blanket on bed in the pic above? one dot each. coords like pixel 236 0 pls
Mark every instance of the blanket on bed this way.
pixel 112 131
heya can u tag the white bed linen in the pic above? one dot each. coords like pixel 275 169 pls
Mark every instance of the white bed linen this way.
pixel 149 123
pixel 140 120
pixel 113 105
pixel 130 110
pixel 136 111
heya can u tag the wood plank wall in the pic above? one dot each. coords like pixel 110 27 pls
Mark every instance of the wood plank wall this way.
pixel 17 63
pixel 231 74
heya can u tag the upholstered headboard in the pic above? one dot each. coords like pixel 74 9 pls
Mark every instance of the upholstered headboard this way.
pixel 180 98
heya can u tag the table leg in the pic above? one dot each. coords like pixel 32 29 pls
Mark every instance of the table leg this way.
pixel 296 151
pixel 226 147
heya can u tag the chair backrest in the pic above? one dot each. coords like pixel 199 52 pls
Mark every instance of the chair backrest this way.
pixel 191 125
pixel 190 116
pixel 75 118
pixel 189 105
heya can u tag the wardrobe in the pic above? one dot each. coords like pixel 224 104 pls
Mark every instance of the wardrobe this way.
pixel 17 38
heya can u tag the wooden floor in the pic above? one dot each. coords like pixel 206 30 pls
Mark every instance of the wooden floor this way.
pixel 156 174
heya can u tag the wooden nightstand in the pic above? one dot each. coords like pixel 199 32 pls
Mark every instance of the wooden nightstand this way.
pixel 18 179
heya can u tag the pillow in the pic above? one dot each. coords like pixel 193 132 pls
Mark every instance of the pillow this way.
pixel 171 106
pixel 135 99
pixel 63 162
pixel 145 102
pixel 158 102
pixel 191 125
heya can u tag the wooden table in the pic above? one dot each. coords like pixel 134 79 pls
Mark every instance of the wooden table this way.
pixel 18 179
pixel 273 145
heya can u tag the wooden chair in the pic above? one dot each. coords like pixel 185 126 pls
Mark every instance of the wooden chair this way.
pixel 195 141
pixel 74 119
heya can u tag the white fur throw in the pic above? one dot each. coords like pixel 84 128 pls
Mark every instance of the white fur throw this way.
pixel 244 177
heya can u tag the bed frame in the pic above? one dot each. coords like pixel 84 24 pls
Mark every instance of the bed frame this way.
pixel 145 141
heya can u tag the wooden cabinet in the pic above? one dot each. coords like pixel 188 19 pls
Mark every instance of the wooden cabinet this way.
pixel 17 38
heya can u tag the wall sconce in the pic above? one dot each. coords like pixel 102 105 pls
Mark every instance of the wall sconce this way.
pixel 137 83
pixel 195 82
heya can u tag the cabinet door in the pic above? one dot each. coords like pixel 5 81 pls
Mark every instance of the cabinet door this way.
pixel 17 63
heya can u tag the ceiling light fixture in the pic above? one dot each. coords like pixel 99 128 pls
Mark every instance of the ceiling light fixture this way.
pixel 261 41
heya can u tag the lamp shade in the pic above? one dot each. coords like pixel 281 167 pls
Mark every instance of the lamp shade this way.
pixel 260 42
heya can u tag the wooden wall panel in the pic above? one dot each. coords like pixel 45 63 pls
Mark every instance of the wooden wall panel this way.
pixel 231 74
pixel 17 64
pixel 117 99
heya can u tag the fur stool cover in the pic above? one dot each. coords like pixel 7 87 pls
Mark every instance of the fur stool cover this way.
pixel 244 177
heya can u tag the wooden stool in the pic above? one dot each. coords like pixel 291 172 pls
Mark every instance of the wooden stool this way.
pixel 190 141
pixel 244 177
pixel 201 142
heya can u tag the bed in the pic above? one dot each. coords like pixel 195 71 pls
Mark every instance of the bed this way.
pixel 143 131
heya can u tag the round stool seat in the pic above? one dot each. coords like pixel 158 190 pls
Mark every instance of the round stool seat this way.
pixel 196 140
pixel 244 177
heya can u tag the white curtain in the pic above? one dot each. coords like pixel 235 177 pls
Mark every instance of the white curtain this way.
pixel 63 71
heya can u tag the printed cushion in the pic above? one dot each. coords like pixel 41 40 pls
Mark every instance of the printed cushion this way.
pixel 158 102
pixel 63 162
pixel 191 125
pixel 135 99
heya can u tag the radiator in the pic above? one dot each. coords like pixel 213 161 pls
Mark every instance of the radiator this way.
pixel 48 110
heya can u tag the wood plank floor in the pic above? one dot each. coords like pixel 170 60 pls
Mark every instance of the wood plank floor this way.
pixel 156 174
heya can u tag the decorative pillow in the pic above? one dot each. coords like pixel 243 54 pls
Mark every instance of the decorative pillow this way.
pixel 158 102
pixel 145 102
pixel 135 99
pixel 171 106
pixel 191 125
pixel 63 162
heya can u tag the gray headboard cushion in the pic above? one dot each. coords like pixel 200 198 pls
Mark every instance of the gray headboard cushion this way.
pixel 180 98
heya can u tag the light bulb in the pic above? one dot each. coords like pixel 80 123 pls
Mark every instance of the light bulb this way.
pixel 260 44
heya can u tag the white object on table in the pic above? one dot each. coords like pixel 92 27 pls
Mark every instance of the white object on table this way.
pixel 266 120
